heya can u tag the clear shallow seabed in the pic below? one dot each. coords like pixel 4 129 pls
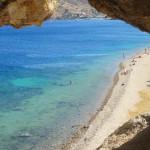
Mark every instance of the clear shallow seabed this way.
pixel 52 77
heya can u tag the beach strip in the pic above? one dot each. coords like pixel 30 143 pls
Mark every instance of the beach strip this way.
pixel 128 97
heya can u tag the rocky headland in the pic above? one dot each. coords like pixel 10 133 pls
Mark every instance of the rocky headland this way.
pixel 75 9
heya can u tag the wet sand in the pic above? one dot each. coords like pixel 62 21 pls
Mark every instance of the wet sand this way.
pixel 129 96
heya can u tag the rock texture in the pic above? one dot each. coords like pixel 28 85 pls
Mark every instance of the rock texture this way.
pixel 133 135
pixel 20 13
pixel 27 12
pixel 135 12
pixel 72 9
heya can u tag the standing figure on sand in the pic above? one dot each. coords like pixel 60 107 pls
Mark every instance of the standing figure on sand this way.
pixel 122 65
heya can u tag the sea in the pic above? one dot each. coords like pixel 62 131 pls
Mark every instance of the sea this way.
pixel 53 78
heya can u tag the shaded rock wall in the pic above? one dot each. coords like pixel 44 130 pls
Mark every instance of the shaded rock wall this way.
pixel 20 13
pixel 133 135
pixel 135 12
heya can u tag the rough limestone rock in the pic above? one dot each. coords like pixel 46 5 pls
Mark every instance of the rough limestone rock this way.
pixel 20 13
pixel 135 12
pixel 27 12
pixel 133 135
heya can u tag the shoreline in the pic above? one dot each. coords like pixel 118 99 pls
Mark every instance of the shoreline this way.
pixel 87 137
pixel 76 136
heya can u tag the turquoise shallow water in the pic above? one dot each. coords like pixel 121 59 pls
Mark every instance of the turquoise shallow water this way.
pixel 53 77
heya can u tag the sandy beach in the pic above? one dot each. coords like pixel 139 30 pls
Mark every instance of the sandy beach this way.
pixel 128 97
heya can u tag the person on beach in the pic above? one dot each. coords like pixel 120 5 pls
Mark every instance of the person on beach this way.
pixel 123 56
pixel 145 52
pixel 70 82
pixel 123 68
pixel 122 65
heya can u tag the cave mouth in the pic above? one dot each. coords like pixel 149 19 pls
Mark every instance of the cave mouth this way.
pixel 20 13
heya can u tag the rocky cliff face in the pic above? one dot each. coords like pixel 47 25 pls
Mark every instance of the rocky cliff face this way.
pixel 20 13
pixel 72 9
pixel 135 12
pixel 133 135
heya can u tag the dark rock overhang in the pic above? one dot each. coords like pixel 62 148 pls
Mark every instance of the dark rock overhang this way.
pixel 20 13
pixel 135 12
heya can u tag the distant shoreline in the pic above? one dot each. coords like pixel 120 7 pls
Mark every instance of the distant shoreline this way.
pixel 84 18
pixel 115 108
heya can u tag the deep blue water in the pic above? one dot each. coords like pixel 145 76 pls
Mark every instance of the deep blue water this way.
pixel 53 77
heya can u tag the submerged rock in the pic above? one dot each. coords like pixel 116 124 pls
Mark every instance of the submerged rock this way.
pixel 25 135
